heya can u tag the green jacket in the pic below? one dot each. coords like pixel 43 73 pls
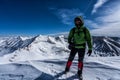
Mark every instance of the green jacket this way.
pixel 79 36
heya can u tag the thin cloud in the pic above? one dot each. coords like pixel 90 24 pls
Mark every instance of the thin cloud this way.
pixel 98 4
pixel 110 21
pixel 91 24
pixel 111 16
pixel 67 15
pixel 112 30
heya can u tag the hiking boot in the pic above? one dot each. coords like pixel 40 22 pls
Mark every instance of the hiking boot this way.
pixel 66 69
pixel 79 72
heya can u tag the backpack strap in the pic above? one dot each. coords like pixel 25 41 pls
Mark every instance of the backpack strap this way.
pixel 84 30
pixel 73 31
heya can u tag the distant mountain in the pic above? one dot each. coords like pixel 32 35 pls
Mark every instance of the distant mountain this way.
pixel 37 47
pixel 106 46
pixel 41 46
pixel 11 44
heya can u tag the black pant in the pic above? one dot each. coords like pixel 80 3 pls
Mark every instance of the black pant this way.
pixel 81 53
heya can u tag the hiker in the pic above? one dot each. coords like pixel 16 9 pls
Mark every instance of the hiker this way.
pixel 78 37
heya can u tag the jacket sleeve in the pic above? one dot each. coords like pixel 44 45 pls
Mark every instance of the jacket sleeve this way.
pixel 89 39
pixel 70 36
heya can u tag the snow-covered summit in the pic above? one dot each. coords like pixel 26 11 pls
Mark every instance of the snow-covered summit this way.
pixel 45 57
pixel 40 46
pixel 33 48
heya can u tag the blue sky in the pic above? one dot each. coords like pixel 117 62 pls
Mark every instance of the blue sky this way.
pixel 32 17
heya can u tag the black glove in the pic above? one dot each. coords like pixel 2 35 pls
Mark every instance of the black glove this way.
pixel 71 46
pixel 89 52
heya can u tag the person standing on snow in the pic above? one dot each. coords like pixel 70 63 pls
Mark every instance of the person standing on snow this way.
pixel 77 39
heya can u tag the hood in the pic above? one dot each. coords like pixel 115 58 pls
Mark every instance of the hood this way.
pixel 80 18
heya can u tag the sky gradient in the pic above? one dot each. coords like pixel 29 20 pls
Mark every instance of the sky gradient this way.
pixel 32 17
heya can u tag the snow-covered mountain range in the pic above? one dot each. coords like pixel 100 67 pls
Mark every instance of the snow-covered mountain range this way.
pixel 102 46
pixel 28 48
pixel 106 46
pixel 44 57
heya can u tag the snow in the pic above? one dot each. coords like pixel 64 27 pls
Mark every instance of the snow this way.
pixel 94 68
pixel 18 71
pixel 36 48
pixel 44 58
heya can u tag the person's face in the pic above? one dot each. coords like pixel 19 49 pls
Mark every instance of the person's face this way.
pixel 78 22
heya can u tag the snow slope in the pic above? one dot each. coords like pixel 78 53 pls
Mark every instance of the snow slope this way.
pixel 45 57
pixel 27 48
pixel 95 68
pixel 34 48
pixel 106 46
